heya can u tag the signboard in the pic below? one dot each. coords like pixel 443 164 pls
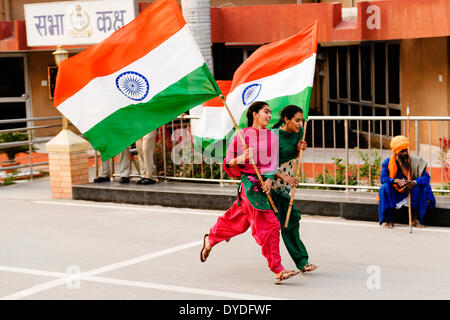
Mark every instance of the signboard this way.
pixel 75 22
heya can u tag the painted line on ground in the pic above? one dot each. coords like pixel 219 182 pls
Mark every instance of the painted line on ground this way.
pixel 114 266
pixel 376 225
pixel 170 210
pixel 143 258
pixel 33 272
pixel 63 278
pixel 157 286
pixel 36 289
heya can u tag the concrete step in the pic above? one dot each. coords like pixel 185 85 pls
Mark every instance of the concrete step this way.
pixel 347 205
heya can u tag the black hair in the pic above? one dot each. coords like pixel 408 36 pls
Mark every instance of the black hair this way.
pixel 254 107
pixel 288 112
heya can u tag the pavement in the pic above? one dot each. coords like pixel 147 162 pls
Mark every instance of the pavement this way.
pixel 83 250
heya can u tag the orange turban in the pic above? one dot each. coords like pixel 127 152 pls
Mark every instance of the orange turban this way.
pixel 398 143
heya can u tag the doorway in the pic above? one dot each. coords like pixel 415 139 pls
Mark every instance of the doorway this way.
pixel 14 90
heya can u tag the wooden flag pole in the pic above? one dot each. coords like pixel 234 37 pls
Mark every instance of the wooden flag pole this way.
pixel 409 171
pixel 297 173
pixel 246 148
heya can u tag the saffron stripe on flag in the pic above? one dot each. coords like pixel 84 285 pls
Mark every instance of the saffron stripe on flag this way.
pixel 288 53
pixel 152 27
pixel 91 104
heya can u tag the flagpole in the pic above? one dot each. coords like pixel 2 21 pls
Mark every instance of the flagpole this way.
pixel 246 148
pixel 409 170
pixel 297 173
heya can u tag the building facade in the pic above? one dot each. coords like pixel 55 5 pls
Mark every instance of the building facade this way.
pixel 374 57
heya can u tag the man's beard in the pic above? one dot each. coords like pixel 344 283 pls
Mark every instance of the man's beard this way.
pixel 404 160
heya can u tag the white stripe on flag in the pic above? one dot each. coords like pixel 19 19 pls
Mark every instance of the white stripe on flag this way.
pixel 287 82
pixel 163 66
pixel 210 123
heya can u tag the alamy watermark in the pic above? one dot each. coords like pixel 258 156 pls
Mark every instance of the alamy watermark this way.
pixel 374 280
pixel 189 150
pixel 73 281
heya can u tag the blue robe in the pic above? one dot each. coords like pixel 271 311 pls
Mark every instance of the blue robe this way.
pixel 421 195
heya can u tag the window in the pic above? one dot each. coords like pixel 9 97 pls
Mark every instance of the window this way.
pixel 52 71
pixel 227 59
pixel 13 101
pixel 364 80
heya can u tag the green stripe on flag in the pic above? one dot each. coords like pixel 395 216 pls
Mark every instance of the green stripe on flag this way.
pixel 122 128
pixel 301 99
pixel 216 148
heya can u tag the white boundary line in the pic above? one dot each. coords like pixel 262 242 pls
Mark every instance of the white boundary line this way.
pixel 171 288
pixel 163 210
pixel 54 283
pixel 136 284
pixel 170 210
pixel 33 272
pixel 64 278
pixel 90 276
pixel 376 225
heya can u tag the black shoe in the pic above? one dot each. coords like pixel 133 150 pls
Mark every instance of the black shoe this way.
pixel 140 181
pixel 124 180
pixel 101 179
pixel 148 181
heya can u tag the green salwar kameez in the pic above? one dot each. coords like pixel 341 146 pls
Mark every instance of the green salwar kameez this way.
pixel 280 193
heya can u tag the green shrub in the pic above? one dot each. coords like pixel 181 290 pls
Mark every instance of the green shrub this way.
pixel 14 137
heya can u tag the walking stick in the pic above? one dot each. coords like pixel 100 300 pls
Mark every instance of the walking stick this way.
pixel 246 148
pixel 297 173
pixel 409 171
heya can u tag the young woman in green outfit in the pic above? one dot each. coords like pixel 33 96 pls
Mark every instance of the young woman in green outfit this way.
pixel 290 143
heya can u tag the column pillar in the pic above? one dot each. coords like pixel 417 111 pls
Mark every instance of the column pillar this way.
pixel 68 163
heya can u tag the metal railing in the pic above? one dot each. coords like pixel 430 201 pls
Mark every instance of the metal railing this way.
pixel 344 152
pixel 31 142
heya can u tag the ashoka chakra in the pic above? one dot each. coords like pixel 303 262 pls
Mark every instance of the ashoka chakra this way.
pixel 133 85
pixel 251 93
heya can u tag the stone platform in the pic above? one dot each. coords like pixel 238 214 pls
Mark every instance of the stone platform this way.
pixel 347 205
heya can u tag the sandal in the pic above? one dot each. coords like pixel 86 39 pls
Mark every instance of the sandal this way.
pixel 284 275
pixel 389 225
pixel 207 251
pixel 417 224
pixel 309 268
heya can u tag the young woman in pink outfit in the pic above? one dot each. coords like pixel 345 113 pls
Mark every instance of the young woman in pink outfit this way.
pixel 252 208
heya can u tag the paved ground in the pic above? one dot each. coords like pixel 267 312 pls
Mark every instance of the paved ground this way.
pixel 143 252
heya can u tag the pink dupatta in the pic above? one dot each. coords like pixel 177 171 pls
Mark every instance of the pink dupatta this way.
pixel 264 145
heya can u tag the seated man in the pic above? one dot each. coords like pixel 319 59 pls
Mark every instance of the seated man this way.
pixel 395 185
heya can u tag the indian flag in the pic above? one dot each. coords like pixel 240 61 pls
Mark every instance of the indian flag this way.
pixel 209 122
pixel 141 77
pixel 279 73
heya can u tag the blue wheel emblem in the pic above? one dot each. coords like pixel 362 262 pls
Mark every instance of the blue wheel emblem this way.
pixel 133 85
pixel 251 93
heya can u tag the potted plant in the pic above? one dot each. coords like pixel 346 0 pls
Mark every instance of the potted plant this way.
pixel 12 151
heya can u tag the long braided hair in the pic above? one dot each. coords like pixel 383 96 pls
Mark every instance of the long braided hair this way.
pixel 254 107
pixel 288 112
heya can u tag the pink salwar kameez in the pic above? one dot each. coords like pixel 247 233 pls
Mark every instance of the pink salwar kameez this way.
pixel 243 214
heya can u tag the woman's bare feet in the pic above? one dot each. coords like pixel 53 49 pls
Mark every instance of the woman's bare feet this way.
pixel 206 249
pixel 389 225
pixel 417 224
